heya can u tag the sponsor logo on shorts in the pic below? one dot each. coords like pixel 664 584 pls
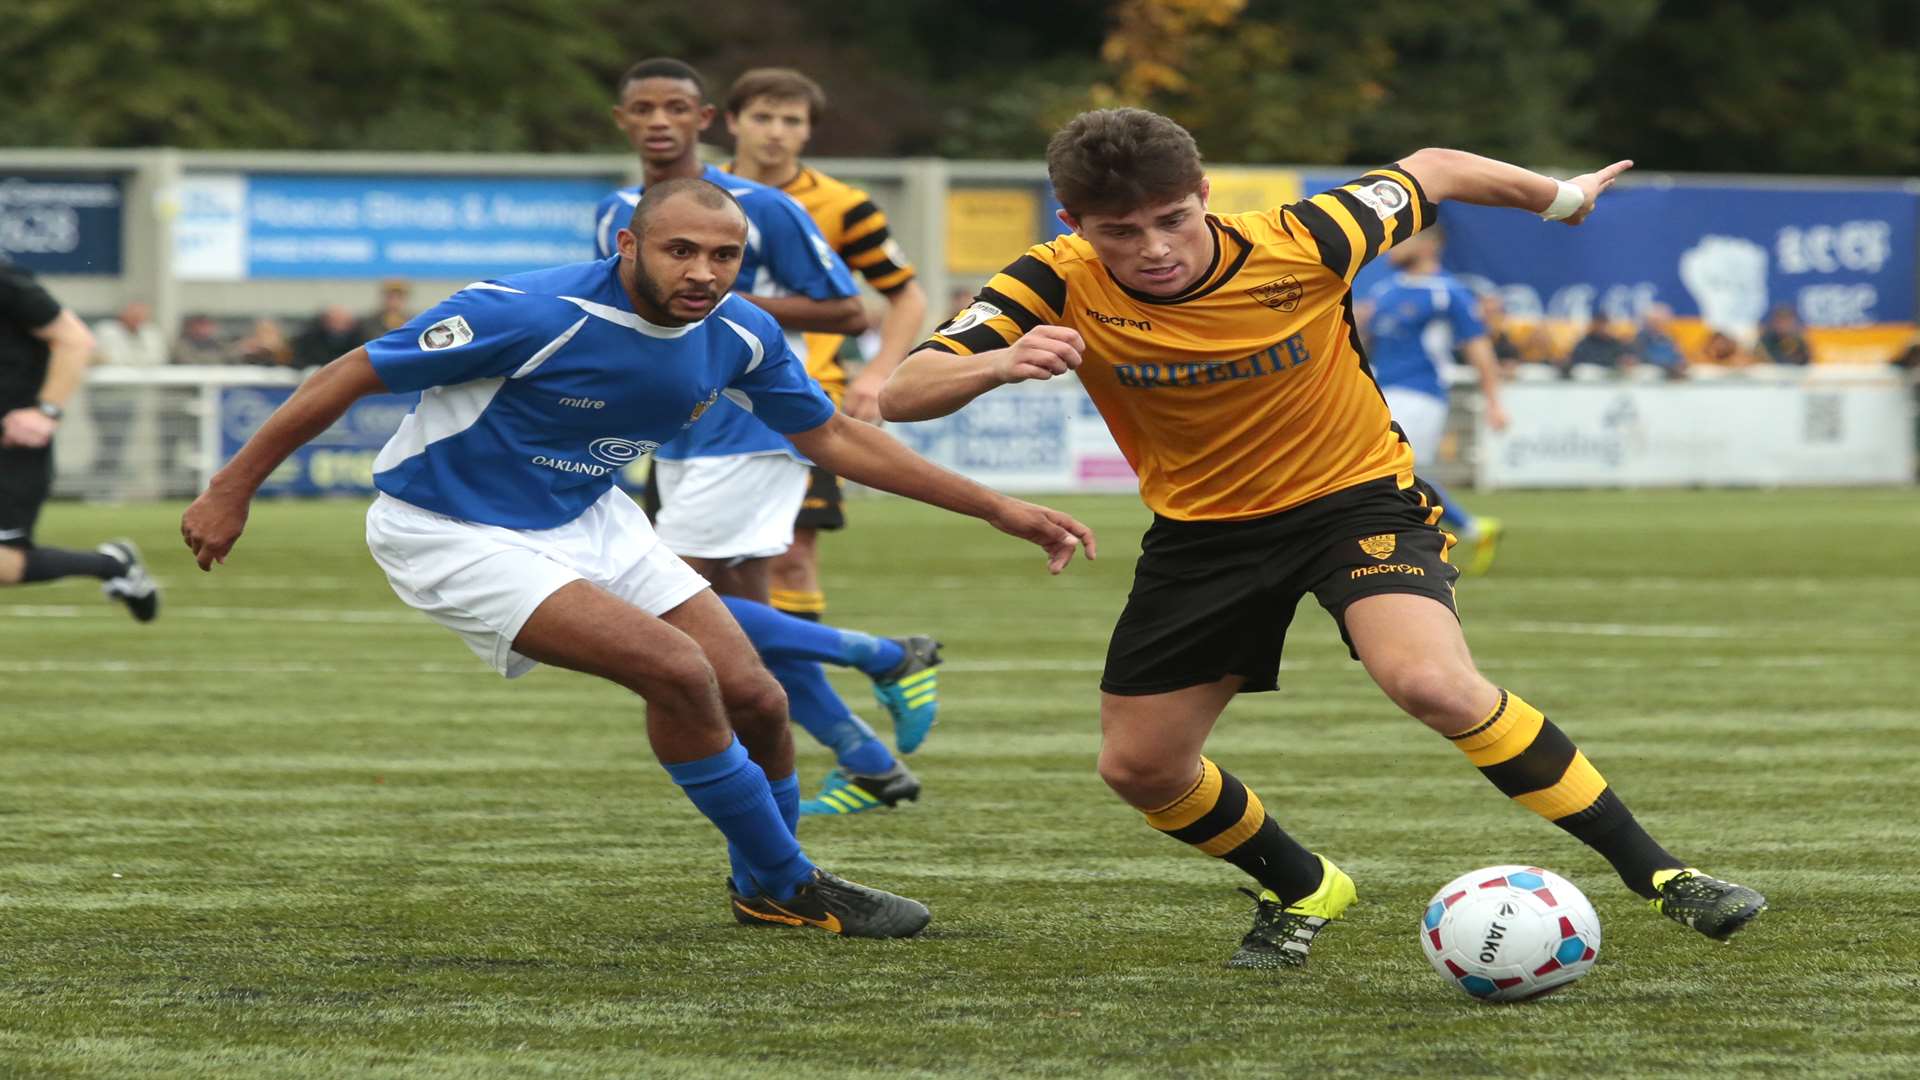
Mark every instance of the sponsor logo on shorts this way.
pixel 1280 294
pixel 1378 546
pixel 1386 568
pixel 448 333
pixel 583 403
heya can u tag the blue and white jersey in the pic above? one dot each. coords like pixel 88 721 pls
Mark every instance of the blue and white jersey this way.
pixel 786 256
pixel 1417 321
pixel 536 389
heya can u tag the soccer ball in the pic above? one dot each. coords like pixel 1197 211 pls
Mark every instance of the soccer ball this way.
pixel 1509 933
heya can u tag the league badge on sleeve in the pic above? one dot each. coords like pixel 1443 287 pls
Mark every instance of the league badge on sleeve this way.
pixel 978 312
pixel 449 333
pixel 1384 196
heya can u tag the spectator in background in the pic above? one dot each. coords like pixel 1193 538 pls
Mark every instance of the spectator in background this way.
pixel 394 310
pixel 1784 341
pixel 1908 358
pixel 1653 344
pixel 1720 350
pixel 1599 348
pixel 1493 315
pixel 266 344
pixel 333 333
pixel 201 341
pixel 130 338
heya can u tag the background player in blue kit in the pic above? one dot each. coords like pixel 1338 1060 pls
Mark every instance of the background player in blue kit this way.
pixel 1415 321
pixel 499 517
pixel 729 489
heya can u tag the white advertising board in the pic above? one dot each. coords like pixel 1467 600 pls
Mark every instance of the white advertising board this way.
pixel 1733 433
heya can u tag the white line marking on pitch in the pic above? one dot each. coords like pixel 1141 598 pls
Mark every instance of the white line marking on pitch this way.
pixel 400 615
pixel 296 667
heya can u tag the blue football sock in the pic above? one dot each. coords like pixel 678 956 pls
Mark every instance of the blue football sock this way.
pixel 733 793
pixel 1453 514
pixel 813 705
pixel 786 795
pixel 788 798
pixel 780 636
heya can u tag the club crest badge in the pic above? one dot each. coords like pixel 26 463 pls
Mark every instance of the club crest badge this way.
pixel 1378 546
pixel 1281 294
pixel 701 409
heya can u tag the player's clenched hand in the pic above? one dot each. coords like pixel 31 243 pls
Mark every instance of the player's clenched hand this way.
pixel 28 428
pixel 1051 529
pixel 212 524
pixel 1594 184
pixel 1041 353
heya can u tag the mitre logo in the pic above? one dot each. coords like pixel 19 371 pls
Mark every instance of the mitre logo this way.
pixel 1282 294
pixel 1378 546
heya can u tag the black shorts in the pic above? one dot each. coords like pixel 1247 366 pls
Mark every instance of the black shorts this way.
pixel 823 508
pixel 25 478
pixel 1213 598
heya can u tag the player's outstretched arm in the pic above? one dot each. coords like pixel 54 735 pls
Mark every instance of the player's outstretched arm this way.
pixel 215 520
pixel 867 455
pixel 1470 178
pixel 932 383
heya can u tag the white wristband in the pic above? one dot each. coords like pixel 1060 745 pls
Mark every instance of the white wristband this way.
pixel 1565 202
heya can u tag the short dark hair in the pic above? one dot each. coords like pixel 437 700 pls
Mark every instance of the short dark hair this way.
pixel 780 84
pixel 705 192
pixel 1114 161
pixel 660 67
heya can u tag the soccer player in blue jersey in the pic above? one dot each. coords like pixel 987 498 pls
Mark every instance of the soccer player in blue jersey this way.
pixel 730 488
pixel 498 516
pixel 1416 319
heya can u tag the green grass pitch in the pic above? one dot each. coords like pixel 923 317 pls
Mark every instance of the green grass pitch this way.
pixel 294 829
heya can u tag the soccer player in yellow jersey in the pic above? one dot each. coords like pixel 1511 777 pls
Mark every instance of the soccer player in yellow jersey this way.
pixel 771 113
pixel 1221 351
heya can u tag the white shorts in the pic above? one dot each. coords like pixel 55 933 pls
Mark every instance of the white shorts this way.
pixel 1422 416
pixel 738 507
pixel 483 582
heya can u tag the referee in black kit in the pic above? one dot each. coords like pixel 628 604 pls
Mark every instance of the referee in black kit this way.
pixel 44 351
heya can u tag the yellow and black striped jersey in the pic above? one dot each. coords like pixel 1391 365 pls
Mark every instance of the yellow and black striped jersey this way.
pixel 857 231
pixel 1248 393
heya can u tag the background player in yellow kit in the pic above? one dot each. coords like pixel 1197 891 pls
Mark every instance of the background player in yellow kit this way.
pixel 771 113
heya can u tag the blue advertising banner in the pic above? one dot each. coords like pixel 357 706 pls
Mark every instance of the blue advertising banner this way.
pixel 61 222
pixel 268 225
pixel 338 462
pixel 1721 256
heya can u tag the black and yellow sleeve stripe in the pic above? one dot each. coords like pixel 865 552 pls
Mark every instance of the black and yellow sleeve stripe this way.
pixel 1359 220
pixel 1015 300
pixel 867 246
